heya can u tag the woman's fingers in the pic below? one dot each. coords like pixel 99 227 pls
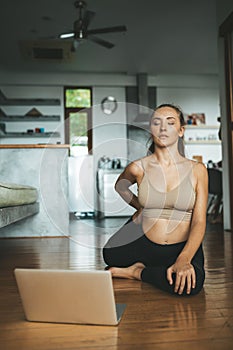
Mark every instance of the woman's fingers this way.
pixel 189 283
pixel 193 278
pixel 169 275
pixel 185 280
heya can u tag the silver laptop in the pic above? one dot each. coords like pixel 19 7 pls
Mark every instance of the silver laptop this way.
pixel 68 296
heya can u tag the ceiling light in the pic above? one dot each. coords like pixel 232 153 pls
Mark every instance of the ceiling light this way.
pixel 66 35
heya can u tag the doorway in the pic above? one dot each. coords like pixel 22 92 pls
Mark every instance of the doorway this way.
pixel 78 120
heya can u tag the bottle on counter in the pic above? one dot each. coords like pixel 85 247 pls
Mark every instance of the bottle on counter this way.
pixel 118 163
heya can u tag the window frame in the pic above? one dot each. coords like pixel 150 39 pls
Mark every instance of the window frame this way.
pixel 88 110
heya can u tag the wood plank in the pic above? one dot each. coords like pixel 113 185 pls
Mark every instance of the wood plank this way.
pixel 152 320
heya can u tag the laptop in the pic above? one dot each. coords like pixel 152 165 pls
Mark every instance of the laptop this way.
pixel 68 296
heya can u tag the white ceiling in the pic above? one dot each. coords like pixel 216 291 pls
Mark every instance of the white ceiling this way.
pixel 163 36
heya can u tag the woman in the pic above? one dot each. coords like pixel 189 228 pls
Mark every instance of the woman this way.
pixel 162 245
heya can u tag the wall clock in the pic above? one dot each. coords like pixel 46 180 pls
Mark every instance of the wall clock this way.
pixel 109 105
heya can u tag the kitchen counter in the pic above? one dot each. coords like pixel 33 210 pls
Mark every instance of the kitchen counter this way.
pixel 112 170
pixel 46 168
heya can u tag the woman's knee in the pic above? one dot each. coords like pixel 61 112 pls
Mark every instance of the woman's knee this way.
pixel 200 278
pixel 106 255
pixel 113 256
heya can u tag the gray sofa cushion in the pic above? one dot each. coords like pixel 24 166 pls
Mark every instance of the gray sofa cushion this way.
pixel 15 194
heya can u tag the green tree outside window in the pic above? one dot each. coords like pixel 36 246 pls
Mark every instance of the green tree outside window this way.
pixel 78 98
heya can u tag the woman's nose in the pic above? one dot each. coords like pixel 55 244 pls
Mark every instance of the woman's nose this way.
pixel 163 125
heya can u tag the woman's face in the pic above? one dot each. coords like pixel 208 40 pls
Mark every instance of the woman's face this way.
pixel 165 126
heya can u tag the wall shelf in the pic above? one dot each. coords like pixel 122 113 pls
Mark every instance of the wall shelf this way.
pixel 20 123
pixel 201 126
pixel 28 118
pixel 202 142
pixel 4 101
pixel 29 135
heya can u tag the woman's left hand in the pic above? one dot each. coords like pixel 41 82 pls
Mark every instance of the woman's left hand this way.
pixel 185 275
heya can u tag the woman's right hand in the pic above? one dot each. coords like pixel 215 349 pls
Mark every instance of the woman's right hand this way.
pixel 137 216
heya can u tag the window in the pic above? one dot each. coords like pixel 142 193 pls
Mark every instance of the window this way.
pixel 78 120
pixel 77 98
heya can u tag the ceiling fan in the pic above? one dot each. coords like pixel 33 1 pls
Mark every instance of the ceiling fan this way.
pixel 81 31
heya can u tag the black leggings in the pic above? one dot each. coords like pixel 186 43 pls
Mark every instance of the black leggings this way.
pixel 130 245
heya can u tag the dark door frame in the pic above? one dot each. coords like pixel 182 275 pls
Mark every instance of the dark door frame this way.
pixel 67 112
pixel 226 33
pixel 89 123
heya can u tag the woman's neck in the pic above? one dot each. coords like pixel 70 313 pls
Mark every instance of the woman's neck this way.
pixel 167 158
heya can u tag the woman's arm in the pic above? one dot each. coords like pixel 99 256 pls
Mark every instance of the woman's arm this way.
pixel 132 174
pixel 183 268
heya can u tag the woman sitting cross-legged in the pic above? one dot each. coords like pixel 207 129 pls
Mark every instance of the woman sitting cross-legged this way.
pixel 162 244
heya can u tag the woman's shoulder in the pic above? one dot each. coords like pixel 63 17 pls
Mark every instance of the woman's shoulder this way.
pixel 199 168
pixel 132 168
pixel 137 166
pixel 198 165
pixel 194 164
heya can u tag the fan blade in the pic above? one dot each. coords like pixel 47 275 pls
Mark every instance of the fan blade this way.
pixel 107 30
pixel 52 37
pixel 87 18
pixel 67 35
pixel 101 42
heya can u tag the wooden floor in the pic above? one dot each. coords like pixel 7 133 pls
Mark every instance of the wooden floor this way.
pixel 152 320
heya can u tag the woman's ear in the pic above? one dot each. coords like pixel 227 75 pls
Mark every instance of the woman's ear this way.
pixel 181 132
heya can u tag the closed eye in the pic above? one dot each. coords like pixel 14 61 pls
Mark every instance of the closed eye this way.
pixel 156 122
pixel 169 120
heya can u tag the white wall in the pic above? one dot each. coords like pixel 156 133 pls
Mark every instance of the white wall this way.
pixel 109 131
pixel 193 100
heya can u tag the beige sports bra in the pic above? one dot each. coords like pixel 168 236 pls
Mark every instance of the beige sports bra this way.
pixel 176 204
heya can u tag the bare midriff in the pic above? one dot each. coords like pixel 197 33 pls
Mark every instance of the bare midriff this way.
pixel 165 231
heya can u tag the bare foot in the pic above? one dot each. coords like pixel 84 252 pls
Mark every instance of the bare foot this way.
pixel 132 272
